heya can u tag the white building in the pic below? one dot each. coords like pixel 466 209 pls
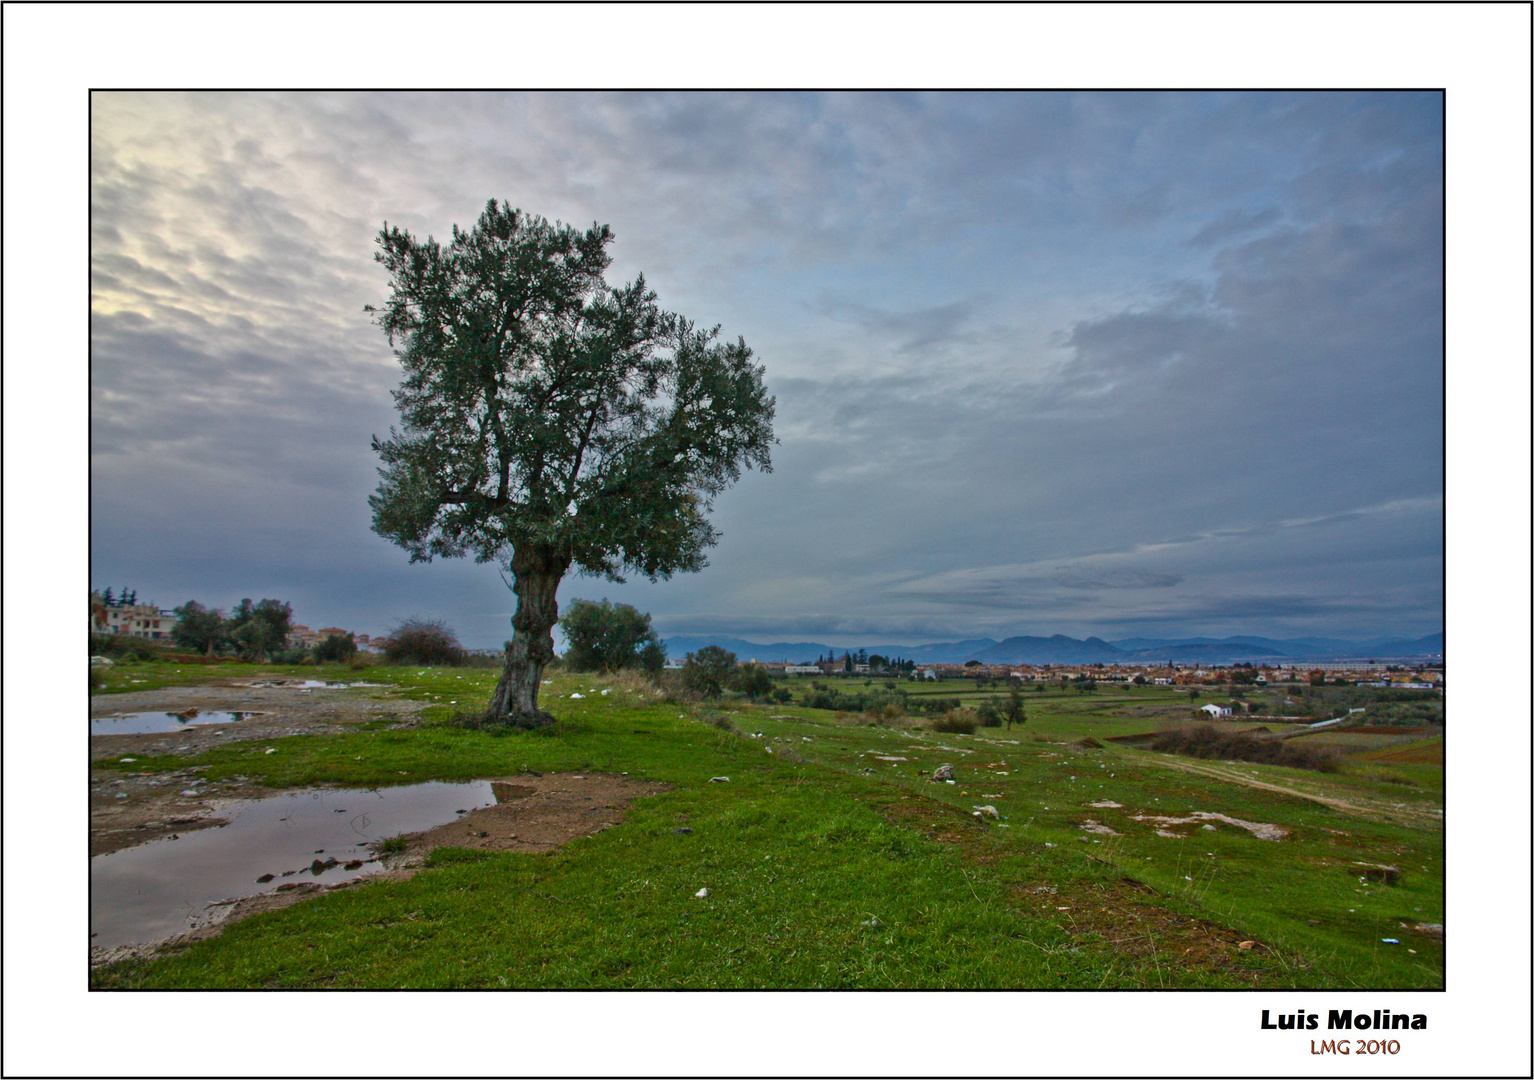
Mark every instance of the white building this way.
pixel 137 620
pixel 1214 711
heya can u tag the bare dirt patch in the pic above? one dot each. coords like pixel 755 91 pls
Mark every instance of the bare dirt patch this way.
pixel 279 709
pixel 1261 830
pixel 535 813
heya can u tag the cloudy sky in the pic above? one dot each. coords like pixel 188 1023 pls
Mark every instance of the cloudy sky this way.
pixel 1120 364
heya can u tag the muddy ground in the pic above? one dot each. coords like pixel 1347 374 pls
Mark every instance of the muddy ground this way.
pixel 133 809
pixel 535 812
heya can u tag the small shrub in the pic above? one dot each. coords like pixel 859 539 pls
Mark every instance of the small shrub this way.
pixel 423 642
pixel 956 722
pixel 336 648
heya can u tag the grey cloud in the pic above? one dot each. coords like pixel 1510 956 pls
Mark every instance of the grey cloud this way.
pixel 1232 224
pixel 992 342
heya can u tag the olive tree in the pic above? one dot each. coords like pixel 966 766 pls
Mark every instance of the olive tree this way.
pixel 550 421
pixel 610 637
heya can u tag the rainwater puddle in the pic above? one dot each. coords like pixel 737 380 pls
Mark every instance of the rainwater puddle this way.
pixel 166 887
pixel 310 684
pixel 152 723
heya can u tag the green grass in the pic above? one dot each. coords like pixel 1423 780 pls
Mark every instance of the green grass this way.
pixel 828 867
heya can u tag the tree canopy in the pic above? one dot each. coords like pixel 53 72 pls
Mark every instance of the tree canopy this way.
pixel 610 637
pixel 199 628
pixel 257 629
pixel 550 420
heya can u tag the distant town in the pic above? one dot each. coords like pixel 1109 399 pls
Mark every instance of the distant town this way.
pixel 123 613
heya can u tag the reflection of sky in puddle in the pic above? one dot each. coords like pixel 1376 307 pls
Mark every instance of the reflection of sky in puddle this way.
pixel 163 888
pixel 152 723
pixel 312 684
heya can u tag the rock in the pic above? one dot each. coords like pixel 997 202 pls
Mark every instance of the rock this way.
pixel 271 750
pixel 288 886
pixel 718 779
pixel 1247 945
pixel 128 760
pixel 987 810
pixel 1390 875
pixel 190 793
pixel 682 830
pixel 943 772
pixel 355 864
pixel 700 894
pixel 264 878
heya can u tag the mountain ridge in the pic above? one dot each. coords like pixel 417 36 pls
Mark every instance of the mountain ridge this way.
pixel 1061 649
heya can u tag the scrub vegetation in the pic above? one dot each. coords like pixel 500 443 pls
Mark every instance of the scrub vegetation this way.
pixel 831 857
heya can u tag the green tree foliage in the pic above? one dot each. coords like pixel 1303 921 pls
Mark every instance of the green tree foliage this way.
pixel 708 671
pixel 335 649
pixel 989 713
pixel 609 637
pixel 1015 711
pixel 199 628
pixel 552 421
pixel 753 681
pixel 430 643
pixel 256 630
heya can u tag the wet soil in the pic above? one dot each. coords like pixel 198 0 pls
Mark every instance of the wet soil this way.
pixel 533 813
pixel 129 809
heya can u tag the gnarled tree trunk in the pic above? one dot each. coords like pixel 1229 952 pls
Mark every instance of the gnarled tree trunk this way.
pixel 536 574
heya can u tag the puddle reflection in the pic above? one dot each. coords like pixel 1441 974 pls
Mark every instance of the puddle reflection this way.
pixel 166 887
pixel 152 723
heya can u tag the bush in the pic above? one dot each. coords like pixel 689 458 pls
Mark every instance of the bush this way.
pixel 1206 741
pixel 426 643
pixel 956 722
pixel 753 681
pixel 707 671
pixel 126 647
pixel 335 649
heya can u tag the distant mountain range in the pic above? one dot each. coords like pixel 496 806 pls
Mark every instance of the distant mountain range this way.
pixel 1060 649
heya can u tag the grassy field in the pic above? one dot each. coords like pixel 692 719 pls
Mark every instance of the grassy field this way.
pixel 833 860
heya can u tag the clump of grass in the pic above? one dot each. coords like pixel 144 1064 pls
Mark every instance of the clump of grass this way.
pixel 956 722
pixel 1206 741
pixel 391 845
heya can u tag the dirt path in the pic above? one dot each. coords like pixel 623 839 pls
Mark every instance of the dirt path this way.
pixel 1398 813
pixel 132 808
